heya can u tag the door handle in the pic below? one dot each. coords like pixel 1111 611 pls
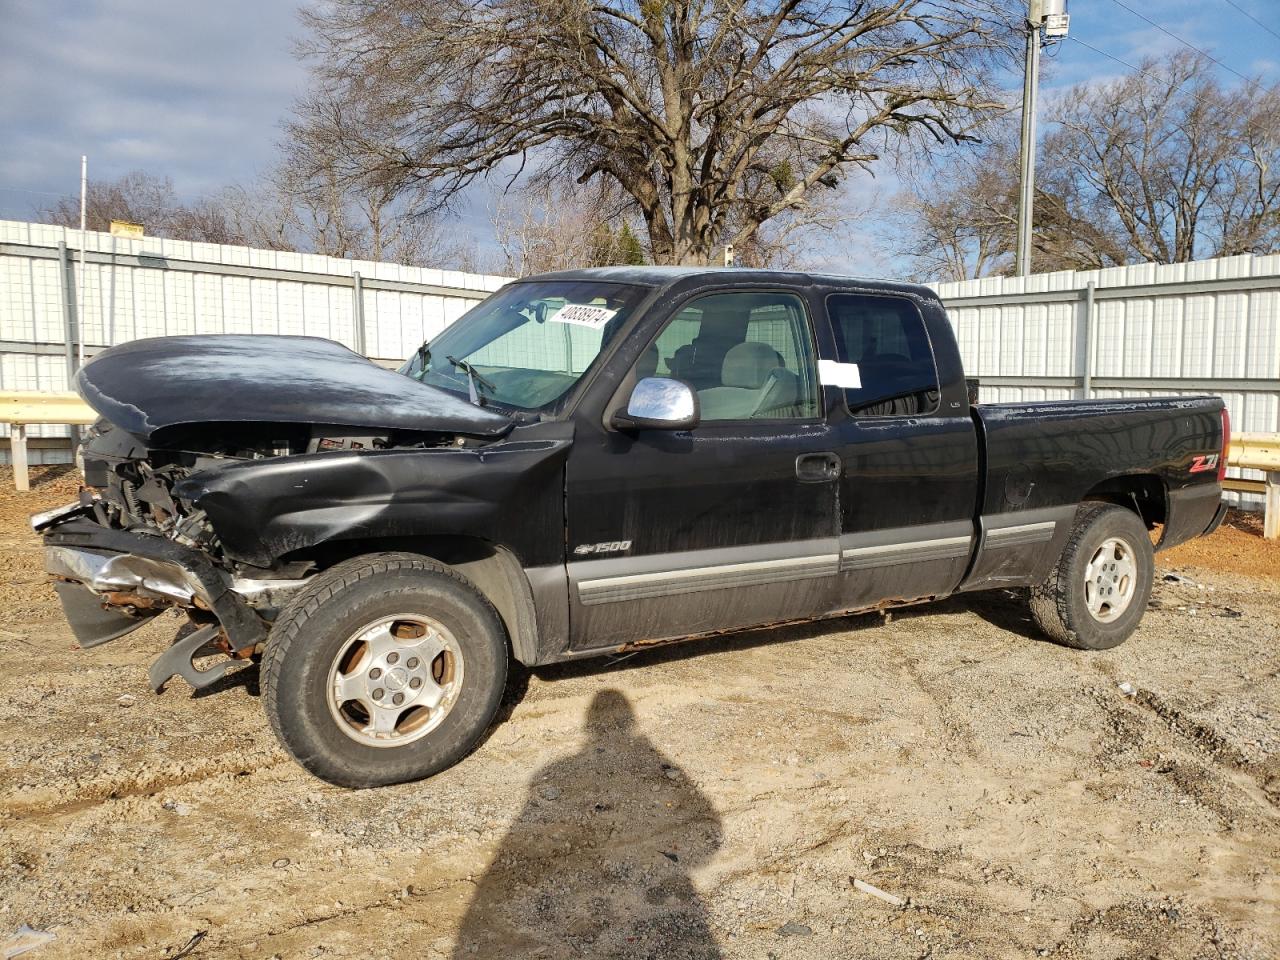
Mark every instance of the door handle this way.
pixel 817 467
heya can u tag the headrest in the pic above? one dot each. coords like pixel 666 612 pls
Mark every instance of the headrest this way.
pixel 748 365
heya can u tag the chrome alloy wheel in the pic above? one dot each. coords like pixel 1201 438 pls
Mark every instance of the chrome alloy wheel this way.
pixel 1110 580
pixel 395 680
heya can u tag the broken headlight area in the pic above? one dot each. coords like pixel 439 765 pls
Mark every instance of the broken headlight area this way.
pixel 130 549
pixel 130 486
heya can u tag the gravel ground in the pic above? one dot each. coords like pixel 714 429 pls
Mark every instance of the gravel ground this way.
pixel 717 799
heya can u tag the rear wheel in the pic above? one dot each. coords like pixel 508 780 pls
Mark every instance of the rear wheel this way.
pixel 1096 594
pixel 384 669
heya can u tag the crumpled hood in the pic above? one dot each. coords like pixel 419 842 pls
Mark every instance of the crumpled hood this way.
pixel 146 386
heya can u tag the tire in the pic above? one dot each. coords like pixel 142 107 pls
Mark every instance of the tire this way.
pixel 344 631
pixel 1102 611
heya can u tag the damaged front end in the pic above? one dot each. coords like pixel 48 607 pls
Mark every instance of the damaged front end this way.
pixel 134 546
pixel 129 550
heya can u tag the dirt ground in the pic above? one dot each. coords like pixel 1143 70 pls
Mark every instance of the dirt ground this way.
pixel 712 800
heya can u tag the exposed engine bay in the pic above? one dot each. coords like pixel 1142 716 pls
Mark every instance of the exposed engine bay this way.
pixel 129 487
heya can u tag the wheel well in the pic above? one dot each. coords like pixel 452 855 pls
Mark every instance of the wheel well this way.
pixel 1142 493
pixel 492 569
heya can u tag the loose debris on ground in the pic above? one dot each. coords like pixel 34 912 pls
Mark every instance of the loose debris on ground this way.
pixel 943 785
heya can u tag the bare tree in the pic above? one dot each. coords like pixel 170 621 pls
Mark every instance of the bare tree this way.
pixel 956 217
pixel 148 199
pixel 547 226
pixel 297 207
pixel 375 217
pixel 1163 165
pixel 714 117
pixel 305 209
pixel 1246 212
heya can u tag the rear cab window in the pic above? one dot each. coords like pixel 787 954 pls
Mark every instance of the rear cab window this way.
pixel 885 339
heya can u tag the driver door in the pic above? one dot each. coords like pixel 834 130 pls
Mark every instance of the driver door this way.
pixel 731 524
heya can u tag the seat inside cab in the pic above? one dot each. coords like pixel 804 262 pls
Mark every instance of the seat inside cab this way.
pixel 746 355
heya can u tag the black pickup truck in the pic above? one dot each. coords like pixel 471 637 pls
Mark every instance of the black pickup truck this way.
pixel 590 462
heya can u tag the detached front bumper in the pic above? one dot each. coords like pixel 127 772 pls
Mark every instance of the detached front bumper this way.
pixel 110 582
pixel 133 576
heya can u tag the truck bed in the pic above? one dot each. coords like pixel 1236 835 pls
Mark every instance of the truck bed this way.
pixel 1039 460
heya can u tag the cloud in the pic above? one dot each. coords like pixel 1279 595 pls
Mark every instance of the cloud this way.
pixel 196 90
pixel 1224 34
pixel 192 90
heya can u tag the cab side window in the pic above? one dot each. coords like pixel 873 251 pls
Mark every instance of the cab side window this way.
pixel 749 356
pixel 886 338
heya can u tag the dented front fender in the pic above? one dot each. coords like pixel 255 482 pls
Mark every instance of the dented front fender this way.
pixel 509 492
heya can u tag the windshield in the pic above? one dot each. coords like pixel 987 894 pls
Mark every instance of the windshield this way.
pixel 528 344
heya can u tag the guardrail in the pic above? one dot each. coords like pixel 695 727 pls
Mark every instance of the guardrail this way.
pixel 1259 451
pixel 1255 451
pixel 21 409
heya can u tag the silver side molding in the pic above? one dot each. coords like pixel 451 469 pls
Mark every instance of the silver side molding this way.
pixel 888 554
pixel 1021 534
pixel 668 574
pixel 641 586
pixel 922 543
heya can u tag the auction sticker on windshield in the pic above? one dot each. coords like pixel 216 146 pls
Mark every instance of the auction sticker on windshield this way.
pixel 584 315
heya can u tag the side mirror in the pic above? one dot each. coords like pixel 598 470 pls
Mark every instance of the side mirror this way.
pixel 659 403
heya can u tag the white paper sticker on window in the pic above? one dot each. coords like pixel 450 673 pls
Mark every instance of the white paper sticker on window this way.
pixel 843 375
pixel 583 315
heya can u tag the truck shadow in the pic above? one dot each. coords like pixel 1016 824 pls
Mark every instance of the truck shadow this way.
pixel 597 862
pixel 1005 609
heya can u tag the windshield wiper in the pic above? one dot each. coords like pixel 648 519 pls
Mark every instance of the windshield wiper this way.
pixel 473 379
pixel 423 356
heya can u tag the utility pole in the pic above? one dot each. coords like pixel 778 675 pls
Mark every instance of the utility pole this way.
pixel 84 189
pixel 1051 16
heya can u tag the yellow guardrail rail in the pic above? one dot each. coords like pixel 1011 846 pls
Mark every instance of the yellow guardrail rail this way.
pixel 30 408
pixel 20 409
pixel 1259 451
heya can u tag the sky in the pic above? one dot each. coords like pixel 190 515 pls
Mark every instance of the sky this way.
pixel 197 90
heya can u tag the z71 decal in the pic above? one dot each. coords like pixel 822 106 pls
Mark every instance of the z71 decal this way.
pixel 1206 461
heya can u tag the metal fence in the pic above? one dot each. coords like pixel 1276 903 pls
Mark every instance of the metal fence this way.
pixel 1212 326
pixel 152 287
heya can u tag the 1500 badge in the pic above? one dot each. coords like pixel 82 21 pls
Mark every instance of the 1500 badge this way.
pixel 611 546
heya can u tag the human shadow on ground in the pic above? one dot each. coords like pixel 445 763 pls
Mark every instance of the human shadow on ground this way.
pixel 597 863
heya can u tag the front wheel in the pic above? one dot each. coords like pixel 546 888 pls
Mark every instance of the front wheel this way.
pixel 384 669
pixel 1096 594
